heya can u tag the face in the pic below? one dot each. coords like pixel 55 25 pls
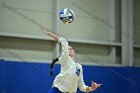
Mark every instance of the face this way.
pixel 71 51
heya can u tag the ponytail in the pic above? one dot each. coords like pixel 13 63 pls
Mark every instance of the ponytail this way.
pixel 52 65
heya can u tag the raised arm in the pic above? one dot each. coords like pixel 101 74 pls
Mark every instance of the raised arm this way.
pixel 65 52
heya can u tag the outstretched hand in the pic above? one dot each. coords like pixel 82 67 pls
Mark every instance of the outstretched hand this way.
pixel 94 85
pixel 54 36
pixel 45 30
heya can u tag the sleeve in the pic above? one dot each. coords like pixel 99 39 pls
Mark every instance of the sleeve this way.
pixel 65 52
pixel 81 82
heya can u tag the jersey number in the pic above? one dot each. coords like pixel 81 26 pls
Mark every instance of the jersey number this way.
pixel 77 72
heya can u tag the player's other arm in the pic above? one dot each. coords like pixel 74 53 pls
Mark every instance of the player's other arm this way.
pixel 84 87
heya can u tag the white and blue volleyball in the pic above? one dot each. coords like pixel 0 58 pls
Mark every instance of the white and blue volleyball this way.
pixel 67 15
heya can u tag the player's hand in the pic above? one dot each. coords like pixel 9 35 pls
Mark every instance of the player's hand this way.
pixel 45 30
pixel 54 36
pixel 94 85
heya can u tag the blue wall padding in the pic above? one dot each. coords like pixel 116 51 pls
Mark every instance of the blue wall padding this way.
pixel 23 77
pixel 2 76
pixel 27 78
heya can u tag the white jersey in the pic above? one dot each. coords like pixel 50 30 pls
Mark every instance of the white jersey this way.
pixel 71 73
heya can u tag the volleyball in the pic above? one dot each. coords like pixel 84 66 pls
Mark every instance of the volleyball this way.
pixel 67 15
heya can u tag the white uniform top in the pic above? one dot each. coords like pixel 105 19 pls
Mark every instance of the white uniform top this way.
pixel 71 73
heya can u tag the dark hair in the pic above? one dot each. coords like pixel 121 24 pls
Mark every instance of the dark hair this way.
pixel 52 65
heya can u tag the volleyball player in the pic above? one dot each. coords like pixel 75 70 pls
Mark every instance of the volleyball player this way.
pixel 71 73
